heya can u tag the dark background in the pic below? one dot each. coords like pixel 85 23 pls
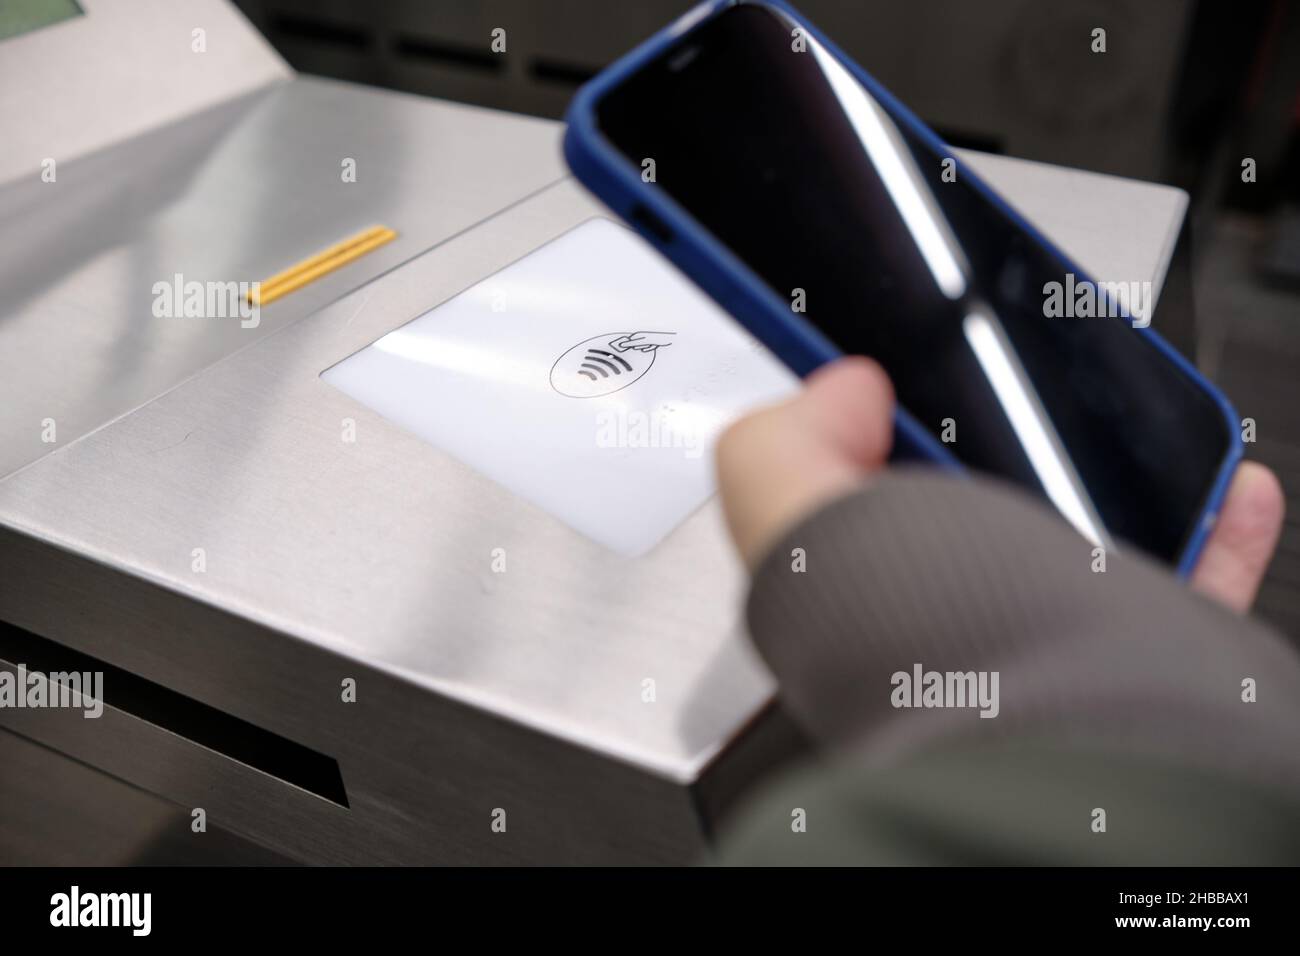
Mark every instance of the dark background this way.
pixel 1185 92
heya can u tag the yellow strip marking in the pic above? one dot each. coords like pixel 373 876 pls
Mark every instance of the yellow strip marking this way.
pixel 322 263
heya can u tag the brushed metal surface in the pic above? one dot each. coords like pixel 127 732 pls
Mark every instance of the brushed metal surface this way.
pixel 61 812
pixel 121 69
pixel 327 560
pixel 425 776
pixel 381 550
pixel 235 193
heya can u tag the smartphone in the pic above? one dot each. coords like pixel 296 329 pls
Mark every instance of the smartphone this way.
pixel 828 220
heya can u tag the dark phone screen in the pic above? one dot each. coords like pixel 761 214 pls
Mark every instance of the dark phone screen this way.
pixel 791 163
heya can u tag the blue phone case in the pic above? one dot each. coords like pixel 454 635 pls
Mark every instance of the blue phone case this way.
pixel 731 283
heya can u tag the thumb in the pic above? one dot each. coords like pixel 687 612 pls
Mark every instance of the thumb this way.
pixel 778 465
pixel 1241 546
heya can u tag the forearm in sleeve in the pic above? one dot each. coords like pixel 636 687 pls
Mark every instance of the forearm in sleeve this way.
pixel 922 573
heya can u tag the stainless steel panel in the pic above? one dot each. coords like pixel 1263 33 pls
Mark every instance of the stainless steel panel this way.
pixel 381 550
pixel 328 560
pixel 121 69
pixel 425 776
pixel 233 194
pixel 60 812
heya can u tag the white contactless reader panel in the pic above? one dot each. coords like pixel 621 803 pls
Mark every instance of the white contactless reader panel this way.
pixel 589 377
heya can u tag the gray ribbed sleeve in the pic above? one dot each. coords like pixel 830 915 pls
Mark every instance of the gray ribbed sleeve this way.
pixel 967 575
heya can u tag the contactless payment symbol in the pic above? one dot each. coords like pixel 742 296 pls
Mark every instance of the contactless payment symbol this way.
pixel 606 363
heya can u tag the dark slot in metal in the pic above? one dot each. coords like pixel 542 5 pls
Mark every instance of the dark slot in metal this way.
pixel 554 71
pixel 186 717
pixel 320 32
pixel 439 51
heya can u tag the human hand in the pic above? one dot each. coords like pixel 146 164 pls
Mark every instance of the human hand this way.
pixel 778 465
pixel 642 341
